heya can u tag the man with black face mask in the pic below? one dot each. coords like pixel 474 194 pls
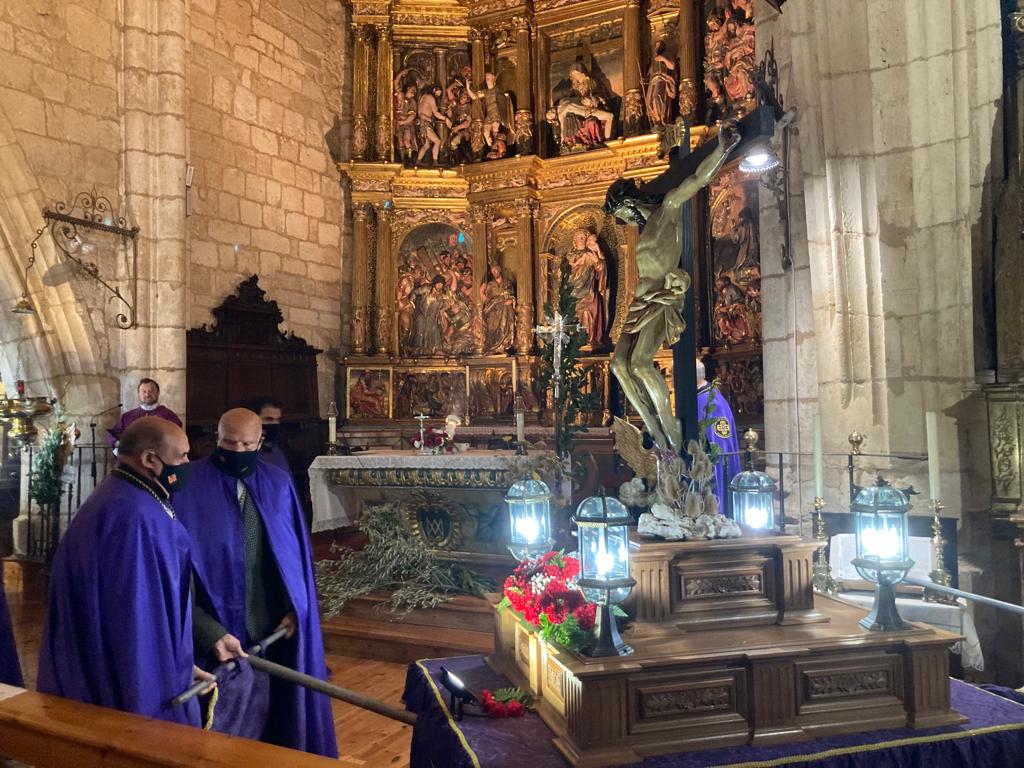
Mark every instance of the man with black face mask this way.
pixel 270 412
pixel 119 625
pixel 252 554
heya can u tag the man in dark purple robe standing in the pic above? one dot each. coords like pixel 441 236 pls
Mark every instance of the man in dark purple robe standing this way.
pixel 252 554
pixel 270 412
pixel 119 623
pixel 721 431
pixel 10 669
pixel 149 394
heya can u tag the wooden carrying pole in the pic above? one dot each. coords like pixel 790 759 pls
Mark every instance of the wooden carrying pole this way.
pixel 334 691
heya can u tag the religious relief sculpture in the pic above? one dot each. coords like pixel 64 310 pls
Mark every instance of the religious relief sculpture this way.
pixel 498 299
pixel 735 262
pixel 583 117
pixel 729 59
pixel 498 119
pixel 588 280
pixel 434 294
pixel 429 392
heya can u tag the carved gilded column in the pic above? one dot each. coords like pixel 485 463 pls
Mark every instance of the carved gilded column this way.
pixel 360 238
pixel 383 144
pixel 688 58
pixel 385 282
pixel 524 69
pixel 478 234
pixel 526 211
pixel 476 128
pixel 633 107
pixel 360 91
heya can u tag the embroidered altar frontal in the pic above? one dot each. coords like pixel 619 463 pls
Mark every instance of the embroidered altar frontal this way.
pixel 993 734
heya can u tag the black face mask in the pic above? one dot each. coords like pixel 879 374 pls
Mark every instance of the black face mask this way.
pixel 174 477
pixel 239 464
pixel 271 433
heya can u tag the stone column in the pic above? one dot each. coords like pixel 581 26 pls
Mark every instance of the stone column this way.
pixel 383 143
pixel 360 93
pixel 383 325
pixel 360 238
pixel 525 212
pixel 478 234
pixel 441 66
pixel 633 109
pixel 524 68
pixel 688 58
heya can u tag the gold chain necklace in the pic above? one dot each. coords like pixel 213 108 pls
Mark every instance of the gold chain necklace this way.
pixel 137 482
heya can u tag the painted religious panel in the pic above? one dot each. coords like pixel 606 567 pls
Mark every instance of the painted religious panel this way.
pixel 586 86
pixel 433 392
pixel 490 393
pixel 434 293
pixel 742 385
pixel 729 58
pixel 585 241
pixel 369 393
pixel 735 261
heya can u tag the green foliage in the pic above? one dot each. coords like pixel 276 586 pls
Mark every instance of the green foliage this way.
pixel 394 561
pixel 47 467
pixel 573 399
pixel 505 695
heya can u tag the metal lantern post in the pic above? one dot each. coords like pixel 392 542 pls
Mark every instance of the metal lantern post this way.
pixel 883 550
pixel 529 519
pixel 604 566
pixel 753 493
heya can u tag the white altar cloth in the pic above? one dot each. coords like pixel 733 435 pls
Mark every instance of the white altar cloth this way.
pixel 336 506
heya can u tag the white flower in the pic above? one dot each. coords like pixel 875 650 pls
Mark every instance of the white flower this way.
pixel 633 493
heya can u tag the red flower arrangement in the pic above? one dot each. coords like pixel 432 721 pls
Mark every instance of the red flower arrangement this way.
pixel 544 591
pixel 506 702
pixel 435 441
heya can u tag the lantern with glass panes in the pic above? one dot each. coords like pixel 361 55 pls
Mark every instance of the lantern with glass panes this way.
pixel 883 549
pixel 604 566
pixel 529 519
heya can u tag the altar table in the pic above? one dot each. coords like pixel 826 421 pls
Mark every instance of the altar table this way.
pixel 993 735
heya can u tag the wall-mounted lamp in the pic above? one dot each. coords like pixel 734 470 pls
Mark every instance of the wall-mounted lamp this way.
pixel 65 222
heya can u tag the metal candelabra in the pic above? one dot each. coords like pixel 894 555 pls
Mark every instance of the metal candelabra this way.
pixel 821 574
pixel 939 575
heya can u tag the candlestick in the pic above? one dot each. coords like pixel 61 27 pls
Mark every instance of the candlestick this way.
pixel 821 573
pixel 819 459
pixel 515 378
pixel 931 427
pixel 332 423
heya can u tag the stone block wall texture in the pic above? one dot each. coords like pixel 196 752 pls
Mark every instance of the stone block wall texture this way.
pixel 265 83
pixel 892 182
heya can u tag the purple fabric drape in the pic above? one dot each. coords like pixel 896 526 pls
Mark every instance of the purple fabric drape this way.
pixel 721 432
pixel 298 718
pixel 119 627
pixel 10 669
pixel 512 743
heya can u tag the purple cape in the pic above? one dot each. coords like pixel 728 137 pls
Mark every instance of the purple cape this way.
pixel 114 433
pixel 276 456
pixel 10 669
pixel 721 432
pixel 119 627
pixel 208 506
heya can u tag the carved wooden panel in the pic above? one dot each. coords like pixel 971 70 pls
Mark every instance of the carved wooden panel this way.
pixel 726 589
pixel 659 702
pixel 849 681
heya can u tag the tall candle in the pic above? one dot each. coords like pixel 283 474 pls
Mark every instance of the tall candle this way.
pixel 515 377
pixel 819 460
pixel 931 428
pixel 332 424
pixel 520 426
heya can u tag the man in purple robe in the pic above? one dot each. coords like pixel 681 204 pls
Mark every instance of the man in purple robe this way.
pixel 252 554
pixel 149 394
pixel 721 431
pixel 10 669
pixel 270 412
pixel 119 624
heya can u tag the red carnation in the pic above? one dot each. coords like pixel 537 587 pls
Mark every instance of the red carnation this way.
pixel 515 709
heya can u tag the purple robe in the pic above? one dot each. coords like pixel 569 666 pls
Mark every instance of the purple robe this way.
pixel 10 669
pixel 721 432
pixel 208 506
pixel 114 433
pixel 119 624
pixel 275 456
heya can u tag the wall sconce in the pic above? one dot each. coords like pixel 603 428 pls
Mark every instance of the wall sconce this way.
pixel 88 211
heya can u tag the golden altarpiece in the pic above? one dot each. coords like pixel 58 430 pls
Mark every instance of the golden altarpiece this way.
pixel 484 137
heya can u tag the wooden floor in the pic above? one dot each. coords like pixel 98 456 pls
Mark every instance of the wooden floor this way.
pixel 364 739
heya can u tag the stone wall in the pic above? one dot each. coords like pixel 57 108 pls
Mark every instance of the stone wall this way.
pixel 891 173
pixel 264 92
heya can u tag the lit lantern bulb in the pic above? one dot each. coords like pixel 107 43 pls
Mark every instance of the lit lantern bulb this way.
pixel 528 529
pixel 605 563
pixel 757 517
pixel 882 543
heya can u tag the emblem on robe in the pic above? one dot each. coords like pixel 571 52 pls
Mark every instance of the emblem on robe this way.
pixel 722 428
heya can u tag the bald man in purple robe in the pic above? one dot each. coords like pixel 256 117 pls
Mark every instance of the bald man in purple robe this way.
pixel 119 623
pixel 252 554
pixel 721 431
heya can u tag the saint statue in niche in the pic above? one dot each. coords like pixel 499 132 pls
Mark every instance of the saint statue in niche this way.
pixel 661 88
pixel 583 116
pixel 498 297
pixel 588 280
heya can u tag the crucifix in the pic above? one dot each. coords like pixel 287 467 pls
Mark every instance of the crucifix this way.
pixel 423 435
pixel 558 331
